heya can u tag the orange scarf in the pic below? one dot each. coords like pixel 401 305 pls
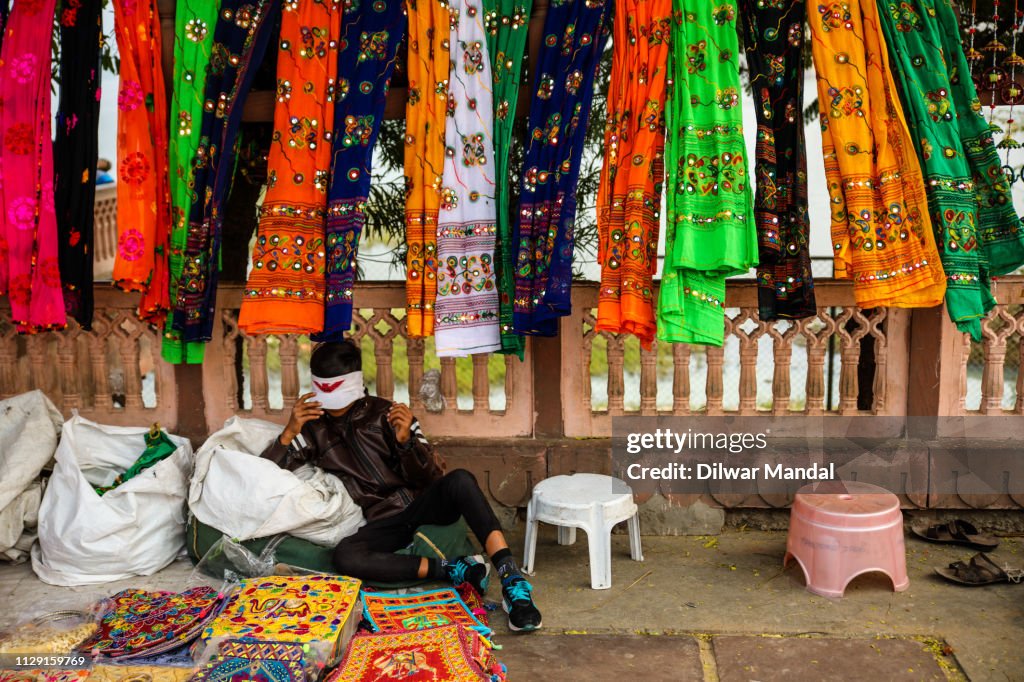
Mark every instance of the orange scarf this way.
pixel 428 64
pixel 143 193
pixel 285 291
pixel 881 230
pixel 629 196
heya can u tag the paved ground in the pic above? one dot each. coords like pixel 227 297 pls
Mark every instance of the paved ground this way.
pixel 718 609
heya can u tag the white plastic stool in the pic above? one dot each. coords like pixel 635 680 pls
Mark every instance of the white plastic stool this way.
pixel 590 502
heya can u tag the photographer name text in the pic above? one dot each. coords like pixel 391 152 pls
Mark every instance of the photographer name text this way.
pixel 720 472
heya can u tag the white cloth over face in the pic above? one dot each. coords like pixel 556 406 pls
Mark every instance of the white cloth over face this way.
pixel 466 310
pixel 336 393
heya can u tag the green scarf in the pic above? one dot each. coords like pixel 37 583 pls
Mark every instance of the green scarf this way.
pixel 977 230
pixel 711 231
pixel 507 23
pixel 193 38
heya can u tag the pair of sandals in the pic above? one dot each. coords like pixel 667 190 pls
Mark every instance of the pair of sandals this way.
pixel 980 569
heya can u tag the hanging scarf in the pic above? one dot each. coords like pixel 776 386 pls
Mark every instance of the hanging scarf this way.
pixel 76 151
pixel 427 66
pixel 241 36
pixel 29 270
pixel 371 33
pixel 193 36
pixel 575 34
pixel 143 192
pixel 968 194
pixel 466 312
pixel 285 292
pixel 710 232
pixel 881 233
pixel 773 39
pixel 629 195
pixel 508 24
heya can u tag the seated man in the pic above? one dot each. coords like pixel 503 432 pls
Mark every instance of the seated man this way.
pixel 378 450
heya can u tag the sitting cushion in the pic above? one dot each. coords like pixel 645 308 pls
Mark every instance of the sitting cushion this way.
pixel 434 542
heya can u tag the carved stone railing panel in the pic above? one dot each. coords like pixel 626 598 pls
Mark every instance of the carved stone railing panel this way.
pixel 112 374
pixel 831 345
pixel 1002 330
pixel 392 359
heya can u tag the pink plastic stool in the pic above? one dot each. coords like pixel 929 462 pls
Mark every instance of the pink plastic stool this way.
pixel 839 530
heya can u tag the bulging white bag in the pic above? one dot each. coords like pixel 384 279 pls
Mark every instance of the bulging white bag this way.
pixel 29 428
pixel 135 529
pixel 246 497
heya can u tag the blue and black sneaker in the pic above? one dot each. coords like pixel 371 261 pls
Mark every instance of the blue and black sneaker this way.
pixel 517 598
pixel 467 570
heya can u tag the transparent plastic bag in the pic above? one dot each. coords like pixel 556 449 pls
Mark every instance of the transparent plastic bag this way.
pixel 54 627
pixel 430 391
pixel 228 562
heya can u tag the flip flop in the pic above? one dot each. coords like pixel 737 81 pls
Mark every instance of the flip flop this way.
pixel 980 570
pixel 957 532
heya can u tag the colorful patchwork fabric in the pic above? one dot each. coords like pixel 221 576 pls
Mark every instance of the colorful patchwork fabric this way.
pixel 29 270
pixel 138 622
pixel 978 231
pixel 710 232
pixel 449 653
pixel 76 152
pixel 388 612
pixel 371 33
pixel 240 660
pixel 427 64
pixel 575 35
pixel 143 188
pixel 285 291
pixel 240 40
pixel 774 39
pixel 290 609
pixel 508 24
pixel 881 230
pixel 629 196
pixel 466 309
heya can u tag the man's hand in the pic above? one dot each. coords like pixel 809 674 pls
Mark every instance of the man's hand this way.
pixel 305 410
pixel 400 418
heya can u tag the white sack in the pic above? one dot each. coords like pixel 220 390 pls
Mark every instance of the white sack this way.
pixel 246 497
pixel 135 529
pixel 29 430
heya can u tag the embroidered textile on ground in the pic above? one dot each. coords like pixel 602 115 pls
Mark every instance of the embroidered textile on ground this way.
pixel 139 673
pixel 307 609
pixel 388 612
pixel 881 230
pixel 450 653
pixel 38 675
pixel 247 660
pixel 466 309
pixel 138 622
pixel 285 291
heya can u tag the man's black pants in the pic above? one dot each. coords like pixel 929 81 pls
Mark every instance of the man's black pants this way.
pixel 368 555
